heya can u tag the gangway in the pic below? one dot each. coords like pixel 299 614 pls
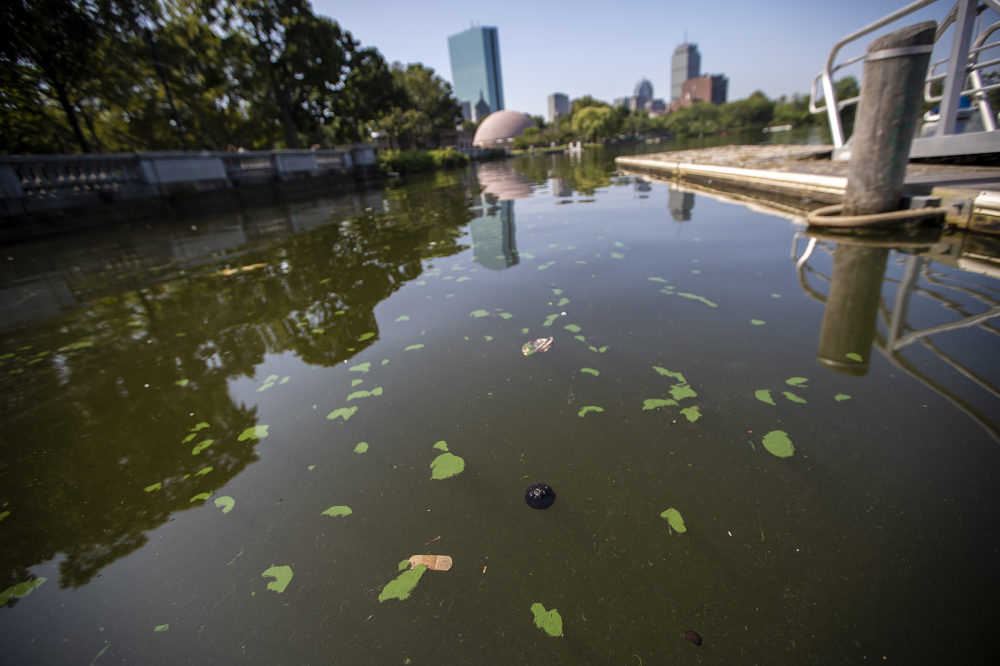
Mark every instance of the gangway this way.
pixel 953 131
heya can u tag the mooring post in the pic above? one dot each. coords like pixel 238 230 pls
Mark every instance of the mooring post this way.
pixel 888 111
pixel 848 330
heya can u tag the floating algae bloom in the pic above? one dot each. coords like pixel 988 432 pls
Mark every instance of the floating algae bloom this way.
pixel 539 496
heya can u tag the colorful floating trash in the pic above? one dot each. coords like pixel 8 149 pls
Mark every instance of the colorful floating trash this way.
pixel 536 346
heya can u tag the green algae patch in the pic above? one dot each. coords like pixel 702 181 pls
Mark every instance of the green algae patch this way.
pixel 3 514
pixel 253 432
pixel 360 367
pixel 675 520
pixel 403 565
pixel 446 466
pixel 402 585
pixel 669 373
pixel 361 447
pixel 841 397
pixel 343 413
pixel 854 356
pixel 200 497
pixel 282 576
pixel 74 346
pixel 403 318
pixel 479 314
pixel 21 590
pixel 695 297
pixel 203 471
pixel 692 413
pixel 548 621
pixel 757 322
pixel 201 446
pixel 551 318
pixel 199 426
pixel 441 445
pixel 764 395
pixel 506 315
pixel 148 489
pixel 681 391
pixel 355 382
pixel 160 628
pixel 617 255
pixel 318 331
pixel 778 444
pixel 657 279
pixel 797 382
pixel 365 394
pixel 572 328
pixel 588 409
pixel 793 398
pixel 562 301
pixel 654 403
pixel 337 511
pixel 413 347
pixel 226 503
pixel 182 382
pixel 591 371
pixel 366 336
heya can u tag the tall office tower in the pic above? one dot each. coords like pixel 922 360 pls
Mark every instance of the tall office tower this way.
pixel 686 64
pixel 475 67
pixel 558 106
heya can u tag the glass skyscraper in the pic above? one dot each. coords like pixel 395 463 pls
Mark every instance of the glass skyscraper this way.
pixel 475 68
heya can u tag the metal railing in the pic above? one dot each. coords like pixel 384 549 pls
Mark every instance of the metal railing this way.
pixel 962 78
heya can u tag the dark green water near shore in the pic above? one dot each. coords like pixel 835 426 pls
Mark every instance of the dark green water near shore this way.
pixel 220 438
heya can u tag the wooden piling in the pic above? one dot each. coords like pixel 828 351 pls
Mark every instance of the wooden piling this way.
pixel 888 112
pixel 845 339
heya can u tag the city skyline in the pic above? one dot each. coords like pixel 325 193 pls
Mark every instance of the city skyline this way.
pixel 777 47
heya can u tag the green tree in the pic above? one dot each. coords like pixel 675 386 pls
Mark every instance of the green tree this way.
pixel 594 122
pixel 427 107
pixel 49 44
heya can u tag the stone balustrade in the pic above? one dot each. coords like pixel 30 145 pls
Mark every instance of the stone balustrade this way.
pixel 44 182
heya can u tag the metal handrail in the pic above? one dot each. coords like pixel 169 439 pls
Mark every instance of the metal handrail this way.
pixel 962 15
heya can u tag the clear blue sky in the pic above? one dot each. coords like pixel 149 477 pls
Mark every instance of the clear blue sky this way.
pixel 605 48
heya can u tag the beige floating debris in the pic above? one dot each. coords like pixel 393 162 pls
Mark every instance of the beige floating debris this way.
pixel 433 562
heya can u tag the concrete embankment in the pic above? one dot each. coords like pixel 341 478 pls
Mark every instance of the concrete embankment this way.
pixel 801 178
pixel 53 194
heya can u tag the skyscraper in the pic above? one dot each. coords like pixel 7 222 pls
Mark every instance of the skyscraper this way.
pixel 475 67
pixel 558 106
pixel 686 64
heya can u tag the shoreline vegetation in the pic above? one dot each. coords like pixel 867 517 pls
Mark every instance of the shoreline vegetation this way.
pixel 196 75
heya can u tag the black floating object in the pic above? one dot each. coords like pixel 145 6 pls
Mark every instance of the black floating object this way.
pixel 693 637
pixel 539 496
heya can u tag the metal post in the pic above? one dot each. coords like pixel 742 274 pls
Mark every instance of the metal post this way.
pixel 958 63
pixel 888 112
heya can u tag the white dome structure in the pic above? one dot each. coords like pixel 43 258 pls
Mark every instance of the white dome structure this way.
pixel 500 127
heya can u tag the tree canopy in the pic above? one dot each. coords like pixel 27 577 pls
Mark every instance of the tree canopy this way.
pixel 130 75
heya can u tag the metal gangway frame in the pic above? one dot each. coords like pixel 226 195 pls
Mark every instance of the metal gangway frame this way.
pixel 963 67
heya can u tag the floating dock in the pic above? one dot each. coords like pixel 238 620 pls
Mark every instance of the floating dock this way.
pixel 800 178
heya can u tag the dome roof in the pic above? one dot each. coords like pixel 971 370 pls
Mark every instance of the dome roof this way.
pixel 501 125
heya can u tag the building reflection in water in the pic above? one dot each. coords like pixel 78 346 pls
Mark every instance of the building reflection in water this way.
pixel 493 232
pixel 930 305
pixel 493 242
pixel 681 203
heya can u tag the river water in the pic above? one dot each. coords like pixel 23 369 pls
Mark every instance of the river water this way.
pixel 222 438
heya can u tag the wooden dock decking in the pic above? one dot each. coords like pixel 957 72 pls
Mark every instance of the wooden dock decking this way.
pixel 799 178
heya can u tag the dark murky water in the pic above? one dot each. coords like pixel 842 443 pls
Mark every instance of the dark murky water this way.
pixel 187 412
